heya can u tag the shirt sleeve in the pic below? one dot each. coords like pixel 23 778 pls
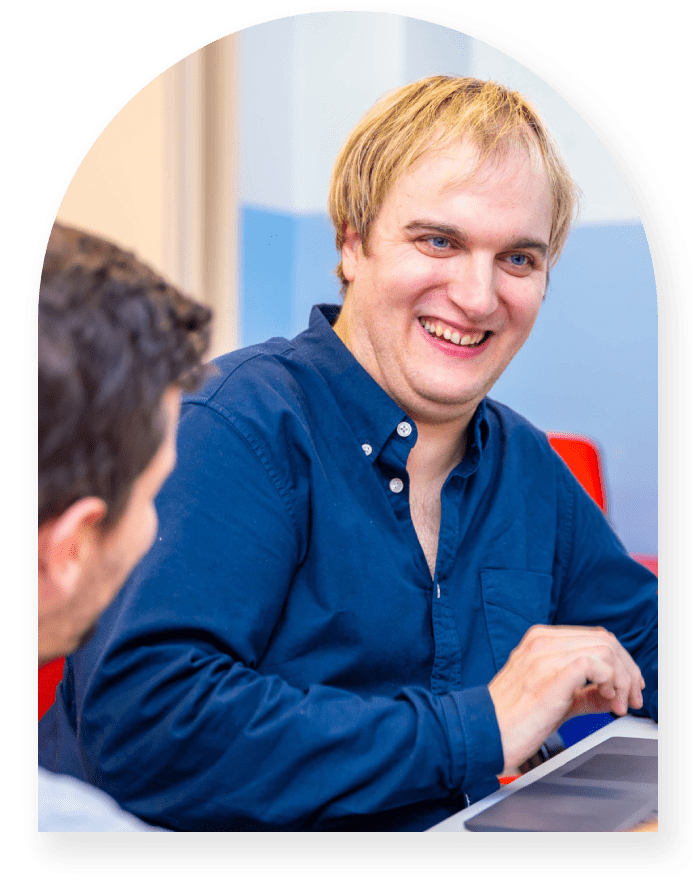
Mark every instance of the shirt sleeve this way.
pixel 600 584
pixel 481 747
pixel 176 721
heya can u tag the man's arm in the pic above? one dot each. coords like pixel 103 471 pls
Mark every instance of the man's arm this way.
pixel 178 724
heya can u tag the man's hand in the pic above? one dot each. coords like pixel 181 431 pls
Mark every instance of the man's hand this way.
pixel 556 673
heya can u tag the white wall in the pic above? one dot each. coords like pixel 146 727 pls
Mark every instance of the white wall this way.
pixel 305 82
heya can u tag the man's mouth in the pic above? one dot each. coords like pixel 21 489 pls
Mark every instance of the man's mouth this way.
pixel 438 330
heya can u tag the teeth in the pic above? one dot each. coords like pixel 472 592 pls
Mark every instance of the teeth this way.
pixel 451 335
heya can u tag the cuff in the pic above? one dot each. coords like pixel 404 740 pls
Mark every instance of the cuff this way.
pixel 477 749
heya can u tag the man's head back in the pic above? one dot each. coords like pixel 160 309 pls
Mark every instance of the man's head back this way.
pixel 116 346
pixel 417 118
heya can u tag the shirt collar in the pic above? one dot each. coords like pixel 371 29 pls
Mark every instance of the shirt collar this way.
pixel 373 414
pixel 477 437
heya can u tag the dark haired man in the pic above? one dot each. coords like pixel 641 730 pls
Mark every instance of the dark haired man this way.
pixel 117 345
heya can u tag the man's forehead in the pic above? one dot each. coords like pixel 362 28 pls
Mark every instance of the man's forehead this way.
pixel 471 163
pixel 459 165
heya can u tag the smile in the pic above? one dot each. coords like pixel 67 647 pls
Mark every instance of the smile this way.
pixel 474 339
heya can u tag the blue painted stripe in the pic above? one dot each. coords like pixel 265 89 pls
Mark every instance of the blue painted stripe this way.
pixel 266 269
pixel 287 266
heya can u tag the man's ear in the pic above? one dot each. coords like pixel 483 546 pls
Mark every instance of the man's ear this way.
pixel 351 252
pixel 65 545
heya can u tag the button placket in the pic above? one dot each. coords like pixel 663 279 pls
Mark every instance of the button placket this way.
pixel 392 464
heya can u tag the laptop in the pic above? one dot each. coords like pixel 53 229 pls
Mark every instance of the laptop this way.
pixel 610 787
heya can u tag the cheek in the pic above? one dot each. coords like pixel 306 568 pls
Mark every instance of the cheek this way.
pixel 523 304
pixel 410 285
pixel 533 310
pixel 141 537
pixel 399 268
pixel 149 528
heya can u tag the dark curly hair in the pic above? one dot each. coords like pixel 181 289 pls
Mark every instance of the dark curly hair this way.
pixel 113 336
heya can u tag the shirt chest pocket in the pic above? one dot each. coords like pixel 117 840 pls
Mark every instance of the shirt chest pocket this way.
pixel 513 601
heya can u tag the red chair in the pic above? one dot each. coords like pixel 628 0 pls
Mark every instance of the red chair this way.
pixel 48 677
pixel 581 455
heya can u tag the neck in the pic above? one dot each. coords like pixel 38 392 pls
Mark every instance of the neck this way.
pixel 439 448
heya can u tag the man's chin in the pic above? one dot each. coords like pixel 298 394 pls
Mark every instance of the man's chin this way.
pixel 444 404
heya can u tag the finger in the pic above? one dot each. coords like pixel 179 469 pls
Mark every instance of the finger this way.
pixel 619 702
pixel 636 699
pixel 620 683
pixel 601 668
pixel 615 683
pixel 588 700
pixel 628 679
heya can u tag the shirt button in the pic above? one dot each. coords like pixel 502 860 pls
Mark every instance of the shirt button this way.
pixel 404 429
pixel 396 485
pixel 367 450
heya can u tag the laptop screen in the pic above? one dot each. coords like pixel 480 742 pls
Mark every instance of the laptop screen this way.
pixel 611 787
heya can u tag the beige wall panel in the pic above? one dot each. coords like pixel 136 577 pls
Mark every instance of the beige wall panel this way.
pixel 118 190
pixel 161 180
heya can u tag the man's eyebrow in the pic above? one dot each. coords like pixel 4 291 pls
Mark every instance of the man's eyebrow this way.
pixel 454 232
pixel 530 244
pixel 423 225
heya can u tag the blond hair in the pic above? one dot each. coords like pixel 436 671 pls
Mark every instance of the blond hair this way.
pixel 410 121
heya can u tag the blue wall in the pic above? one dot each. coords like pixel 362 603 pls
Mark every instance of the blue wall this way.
pixel 287 266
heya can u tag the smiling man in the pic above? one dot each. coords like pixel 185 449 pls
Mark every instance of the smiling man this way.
pixel 375 588
pixel 444 295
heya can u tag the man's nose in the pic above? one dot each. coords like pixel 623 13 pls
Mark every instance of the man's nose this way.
pixel 473 288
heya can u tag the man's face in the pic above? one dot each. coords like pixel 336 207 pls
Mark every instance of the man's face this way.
pixel 114 553
pixel 452 284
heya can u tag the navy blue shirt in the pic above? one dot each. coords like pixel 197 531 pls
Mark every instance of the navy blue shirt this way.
pixel 282 658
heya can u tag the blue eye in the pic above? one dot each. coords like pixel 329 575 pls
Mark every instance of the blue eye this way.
pixel 439 242
pixel 519 259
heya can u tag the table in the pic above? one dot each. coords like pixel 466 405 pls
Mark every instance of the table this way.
pixel 627 726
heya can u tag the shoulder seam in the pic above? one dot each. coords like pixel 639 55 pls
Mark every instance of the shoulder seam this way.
pixel 261 454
